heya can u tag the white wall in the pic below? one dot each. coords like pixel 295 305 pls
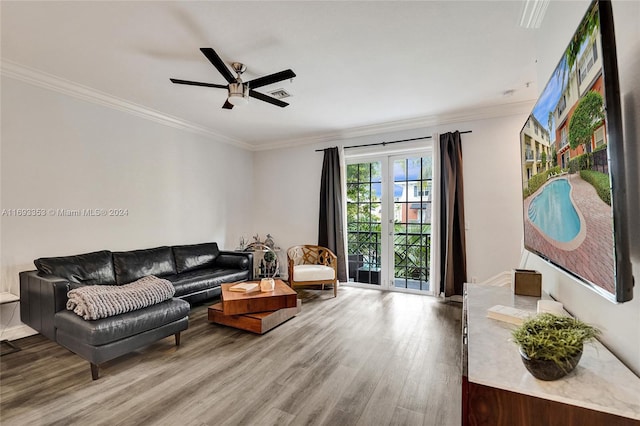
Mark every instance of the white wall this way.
pixel 287 194
pixel 287 184
pixel 493 196
pixel 620 323
pixel 59 152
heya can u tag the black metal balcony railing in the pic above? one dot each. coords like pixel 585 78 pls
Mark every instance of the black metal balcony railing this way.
pixel 364 255
pixel 412 253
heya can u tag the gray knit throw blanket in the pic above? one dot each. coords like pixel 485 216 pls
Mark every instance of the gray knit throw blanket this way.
pixel 93 302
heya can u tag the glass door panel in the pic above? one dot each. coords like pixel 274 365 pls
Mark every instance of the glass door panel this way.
pixel 412 189
pixel 389 219
pixel 364 222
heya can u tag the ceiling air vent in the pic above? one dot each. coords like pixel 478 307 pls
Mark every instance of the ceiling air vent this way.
pixel 279 94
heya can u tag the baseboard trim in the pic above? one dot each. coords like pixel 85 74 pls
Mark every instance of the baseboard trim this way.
pixel 446 299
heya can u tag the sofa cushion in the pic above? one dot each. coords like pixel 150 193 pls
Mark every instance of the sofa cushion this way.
pixel 313 273
pixel 233 261
pixel 132 265
pixel 107 330
pixel 202 279
pixel 88 269
pixel 195 256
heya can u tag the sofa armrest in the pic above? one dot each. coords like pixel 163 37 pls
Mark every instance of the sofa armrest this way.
pixel 40 298
pixel 241 260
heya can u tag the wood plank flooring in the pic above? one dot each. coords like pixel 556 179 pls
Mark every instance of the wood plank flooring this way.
pixel 363 358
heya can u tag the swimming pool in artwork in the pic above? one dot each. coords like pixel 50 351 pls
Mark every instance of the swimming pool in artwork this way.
pixel 553 212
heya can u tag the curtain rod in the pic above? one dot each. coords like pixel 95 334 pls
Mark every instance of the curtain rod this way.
pixel 391 142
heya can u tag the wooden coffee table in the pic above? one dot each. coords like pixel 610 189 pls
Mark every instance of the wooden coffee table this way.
pixel 258 311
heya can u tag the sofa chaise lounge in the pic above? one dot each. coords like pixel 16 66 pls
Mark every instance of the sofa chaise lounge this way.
pixel 196 272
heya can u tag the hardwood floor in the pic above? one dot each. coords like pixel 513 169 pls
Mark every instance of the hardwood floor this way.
pixel 363 358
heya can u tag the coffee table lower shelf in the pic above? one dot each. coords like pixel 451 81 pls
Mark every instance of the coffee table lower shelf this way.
pixel 259 322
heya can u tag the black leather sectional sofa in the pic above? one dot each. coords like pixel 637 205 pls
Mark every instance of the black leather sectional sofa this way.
pixel 196 271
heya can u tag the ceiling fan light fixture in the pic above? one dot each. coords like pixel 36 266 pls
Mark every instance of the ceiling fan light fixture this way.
pixel 238 94
pixel 237 100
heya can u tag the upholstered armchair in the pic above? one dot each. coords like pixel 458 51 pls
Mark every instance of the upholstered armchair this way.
pixel 311 265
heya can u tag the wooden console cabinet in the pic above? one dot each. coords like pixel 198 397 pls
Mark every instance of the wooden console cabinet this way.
pixel 497 389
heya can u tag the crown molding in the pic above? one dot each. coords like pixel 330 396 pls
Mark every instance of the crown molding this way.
pixel 51 82
pixel 460 116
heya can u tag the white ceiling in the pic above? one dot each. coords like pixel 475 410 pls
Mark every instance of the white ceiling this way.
pixel 358 64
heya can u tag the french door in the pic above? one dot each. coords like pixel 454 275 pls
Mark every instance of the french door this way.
pixel 389 220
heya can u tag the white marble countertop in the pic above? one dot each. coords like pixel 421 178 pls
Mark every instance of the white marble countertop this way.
pixel 599 382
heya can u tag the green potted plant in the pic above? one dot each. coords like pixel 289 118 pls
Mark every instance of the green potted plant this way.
pixel 271 262
pixel 551 345
pixel 269 256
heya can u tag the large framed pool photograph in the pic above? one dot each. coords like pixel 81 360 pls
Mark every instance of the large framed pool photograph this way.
pixel 572 157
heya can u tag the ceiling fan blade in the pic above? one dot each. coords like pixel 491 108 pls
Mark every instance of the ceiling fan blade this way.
pixel 271 78
pixel 213 57
pixel 227 105
pixel 267 98
pixel 197 83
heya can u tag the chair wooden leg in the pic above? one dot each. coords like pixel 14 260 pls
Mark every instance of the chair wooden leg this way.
pixel 335 289
pixel 177 336
pixel 94 371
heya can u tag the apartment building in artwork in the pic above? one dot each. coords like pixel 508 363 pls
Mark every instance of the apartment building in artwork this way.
pixel 584 77
pixel 535 149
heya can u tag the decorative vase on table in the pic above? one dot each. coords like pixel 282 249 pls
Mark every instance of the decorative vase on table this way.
pixel 551 345
pixel 545 369
pixel 267 284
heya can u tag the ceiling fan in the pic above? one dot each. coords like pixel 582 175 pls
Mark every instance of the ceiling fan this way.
pixel 238 90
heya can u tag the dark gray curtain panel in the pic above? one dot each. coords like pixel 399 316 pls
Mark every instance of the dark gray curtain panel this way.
pixel 453 257
pixel 330 228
